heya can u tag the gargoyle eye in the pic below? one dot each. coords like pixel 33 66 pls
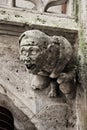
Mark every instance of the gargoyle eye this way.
pixel 33 51
pixel 24 52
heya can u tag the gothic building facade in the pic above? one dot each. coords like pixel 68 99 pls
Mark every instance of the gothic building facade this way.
pixel 32 109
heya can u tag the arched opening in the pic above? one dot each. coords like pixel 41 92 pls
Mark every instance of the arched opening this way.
pixel 61 9
pixel 6 119
pixel 11 117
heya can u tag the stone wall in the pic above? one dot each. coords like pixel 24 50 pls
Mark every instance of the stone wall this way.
pixel 15 79
pixel 15 83
pixel 82 60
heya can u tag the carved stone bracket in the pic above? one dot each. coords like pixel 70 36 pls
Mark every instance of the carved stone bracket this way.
pixel 50 60
pixel 43 5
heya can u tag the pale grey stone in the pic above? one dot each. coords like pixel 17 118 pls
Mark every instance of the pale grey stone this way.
pixel 43 5
pixel 48 57
pixel 56 117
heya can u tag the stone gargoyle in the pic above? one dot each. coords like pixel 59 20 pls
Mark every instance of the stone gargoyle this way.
pixel 50 60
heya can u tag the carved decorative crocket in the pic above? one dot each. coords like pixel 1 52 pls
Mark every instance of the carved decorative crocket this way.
pixel 50 60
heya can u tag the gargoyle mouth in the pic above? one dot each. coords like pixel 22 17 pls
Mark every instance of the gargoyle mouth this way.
pixel 31 66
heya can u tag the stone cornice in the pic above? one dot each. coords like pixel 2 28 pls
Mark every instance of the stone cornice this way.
pixel 21 17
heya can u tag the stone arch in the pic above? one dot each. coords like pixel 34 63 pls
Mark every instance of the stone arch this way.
pixel 21 121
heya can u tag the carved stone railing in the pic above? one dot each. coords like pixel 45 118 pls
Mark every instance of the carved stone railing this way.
pixel 62 6
pixel 43 6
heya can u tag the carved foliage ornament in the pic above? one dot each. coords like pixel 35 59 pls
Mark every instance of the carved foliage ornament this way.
pixel 50 60
pixel 43 5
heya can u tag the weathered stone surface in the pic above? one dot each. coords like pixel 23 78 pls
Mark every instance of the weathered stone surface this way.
pixel 21 121
pixel 10 78
pixel 44 53
pixel 15 79
pixel 82 66
pixel 50 57
pixel 42 6
pixel 56 117
pixel 15 82
pixel 62 25
pixel 24 17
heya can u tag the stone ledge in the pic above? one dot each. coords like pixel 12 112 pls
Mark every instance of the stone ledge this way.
pixel 21 17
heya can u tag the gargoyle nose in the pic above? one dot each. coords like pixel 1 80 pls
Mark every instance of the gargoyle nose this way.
pixel 25 62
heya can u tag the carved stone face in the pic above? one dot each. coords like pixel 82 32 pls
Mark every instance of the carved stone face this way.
pixel 48 56
pixel 29 54
pixel 34 52
pixel 42 53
